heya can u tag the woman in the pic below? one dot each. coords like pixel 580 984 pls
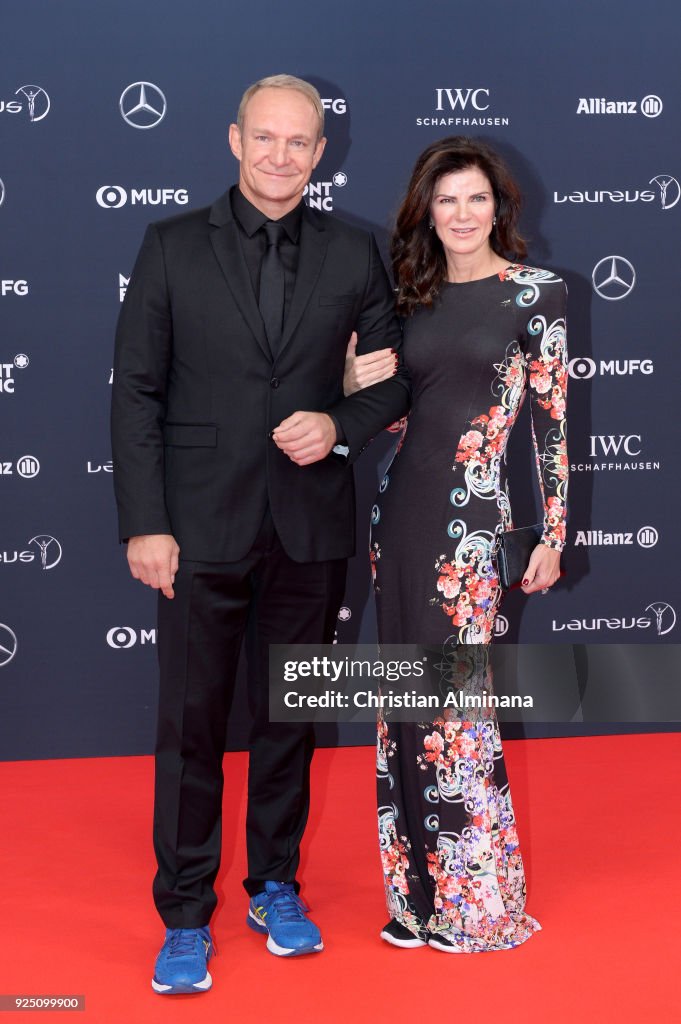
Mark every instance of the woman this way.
pixel 480 331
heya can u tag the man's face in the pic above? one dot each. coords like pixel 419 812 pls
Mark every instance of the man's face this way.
pixel 277 149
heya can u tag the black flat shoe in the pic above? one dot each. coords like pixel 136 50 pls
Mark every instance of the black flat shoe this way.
pixel 397 935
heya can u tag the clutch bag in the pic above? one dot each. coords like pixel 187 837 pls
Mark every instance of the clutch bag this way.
pixel 513 553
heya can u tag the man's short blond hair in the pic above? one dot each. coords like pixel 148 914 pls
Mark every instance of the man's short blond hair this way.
pixel 283 82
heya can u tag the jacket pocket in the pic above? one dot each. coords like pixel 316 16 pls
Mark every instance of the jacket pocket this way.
pixel 337 300
pixel 190 435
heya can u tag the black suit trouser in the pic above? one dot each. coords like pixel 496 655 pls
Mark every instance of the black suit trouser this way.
pixel 272 600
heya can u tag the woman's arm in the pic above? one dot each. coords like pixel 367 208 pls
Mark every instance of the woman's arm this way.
pixel 548 374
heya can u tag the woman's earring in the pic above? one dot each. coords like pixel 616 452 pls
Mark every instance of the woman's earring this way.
pixel 431 225
pixel 494 222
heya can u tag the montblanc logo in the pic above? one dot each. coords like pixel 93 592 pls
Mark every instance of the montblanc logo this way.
pixel 33 100
pixel 112 197
pixel 123 283
pixel 667 190
pixel 646 537
pixel 462 105
pixel 650 106
pixel 43 550
pixel 123 637
pixel 582 367
pixel 661 619
pixel 319 195
pixel 344 614
pixel 8 371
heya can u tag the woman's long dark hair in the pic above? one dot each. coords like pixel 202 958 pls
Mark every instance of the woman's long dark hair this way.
pixel 418 257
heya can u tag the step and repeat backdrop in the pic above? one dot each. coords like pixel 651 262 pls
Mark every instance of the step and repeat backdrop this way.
pixel 114 117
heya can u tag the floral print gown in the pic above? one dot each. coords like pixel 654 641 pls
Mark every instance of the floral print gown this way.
pixel 449 847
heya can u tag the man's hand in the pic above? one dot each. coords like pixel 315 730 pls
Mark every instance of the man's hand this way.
pixel 305 437
pixel 363 371
pixel 543 569
pixel 154 558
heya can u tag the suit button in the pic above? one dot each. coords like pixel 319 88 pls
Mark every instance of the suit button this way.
pixel 275 382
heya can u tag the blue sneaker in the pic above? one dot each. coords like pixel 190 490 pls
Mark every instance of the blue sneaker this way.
pixel 182 964
pixel 279 913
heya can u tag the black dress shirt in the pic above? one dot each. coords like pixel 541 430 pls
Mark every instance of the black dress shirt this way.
pixel 251 223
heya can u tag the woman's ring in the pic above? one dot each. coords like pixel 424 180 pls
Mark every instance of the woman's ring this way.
pixel 545 590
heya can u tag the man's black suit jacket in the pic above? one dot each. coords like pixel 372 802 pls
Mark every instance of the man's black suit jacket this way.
pixel 196 392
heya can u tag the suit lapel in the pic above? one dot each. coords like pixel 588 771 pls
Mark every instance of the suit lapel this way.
pixel 225 241
pixel 313 244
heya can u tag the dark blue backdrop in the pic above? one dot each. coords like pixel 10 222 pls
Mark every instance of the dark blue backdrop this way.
pixel 582 99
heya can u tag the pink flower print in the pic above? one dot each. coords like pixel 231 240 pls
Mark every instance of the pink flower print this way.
pixel 434 745
pixel 540 377
pixel 469 445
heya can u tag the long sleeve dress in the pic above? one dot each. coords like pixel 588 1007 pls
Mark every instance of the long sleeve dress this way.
pixel 449 847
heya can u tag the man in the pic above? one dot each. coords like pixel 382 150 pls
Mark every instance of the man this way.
pixel 227 404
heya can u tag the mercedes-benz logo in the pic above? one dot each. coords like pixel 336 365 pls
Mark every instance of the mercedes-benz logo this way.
pixel 142 105
pixel 2 192
pixel 670 190
pixel 37 99
pixel 50 549
pixel 8 644
pixel 613 278
pixel 665 616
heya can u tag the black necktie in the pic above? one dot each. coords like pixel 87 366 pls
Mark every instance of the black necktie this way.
pixel 271 300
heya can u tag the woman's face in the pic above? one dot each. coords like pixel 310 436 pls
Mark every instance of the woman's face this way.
pixel 462 210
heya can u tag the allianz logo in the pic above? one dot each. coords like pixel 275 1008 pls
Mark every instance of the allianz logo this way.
pixel 646 537
pixel 650 106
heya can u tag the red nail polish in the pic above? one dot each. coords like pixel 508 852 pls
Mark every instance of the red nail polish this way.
pixel 525 582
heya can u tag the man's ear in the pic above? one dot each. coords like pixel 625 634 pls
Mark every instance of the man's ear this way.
pixel 319 149
pixel 235 140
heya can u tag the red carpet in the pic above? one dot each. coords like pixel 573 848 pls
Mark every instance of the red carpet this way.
pixel 600 829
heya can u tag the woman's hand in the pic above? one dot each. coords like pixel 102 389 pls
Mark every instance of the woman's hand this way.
pixel 543 569
pixel 362 371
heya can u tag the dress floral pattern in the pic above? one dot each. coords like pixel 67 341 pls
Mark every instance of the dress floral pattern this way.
pixel 449 847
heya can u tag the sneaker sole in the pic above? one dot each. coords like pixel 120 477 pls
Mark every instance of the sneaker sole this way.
pixel 403 943
pixel 184 990
pixel 444 949
pixel 253 922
